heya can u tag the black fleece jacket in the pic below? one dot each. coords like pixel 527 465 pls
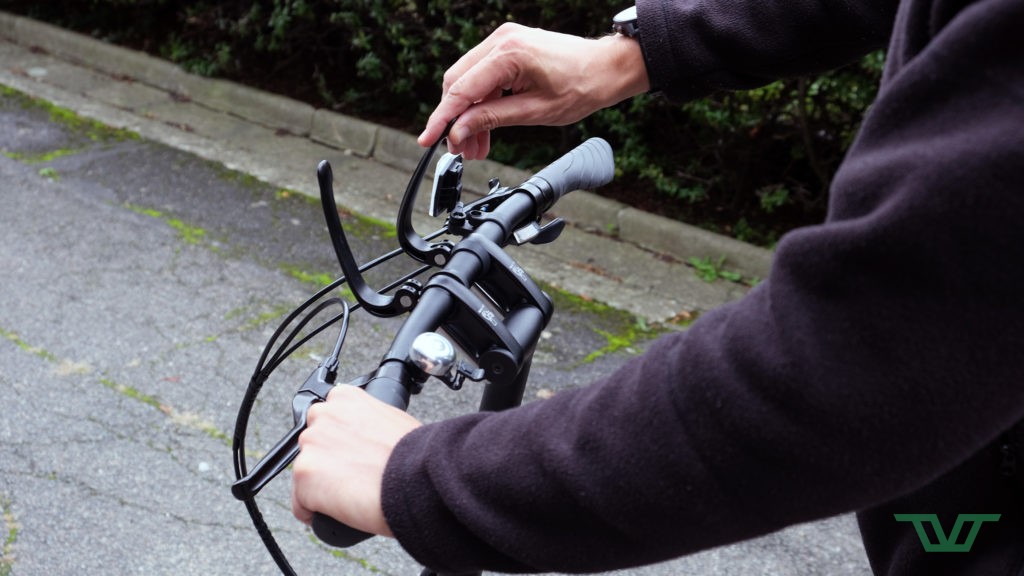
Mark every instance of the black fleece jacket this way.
pixel 878 369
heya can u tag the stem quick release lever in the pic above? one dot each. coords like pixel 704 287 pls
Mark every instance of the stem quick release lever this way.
pixel 534 233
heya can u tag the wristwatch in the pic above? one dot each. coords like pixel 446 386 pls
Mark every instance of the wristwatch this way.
pixel 625 23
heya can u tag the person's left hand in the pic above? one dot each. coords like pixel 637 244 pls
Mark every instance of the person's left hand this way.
pixel 343 452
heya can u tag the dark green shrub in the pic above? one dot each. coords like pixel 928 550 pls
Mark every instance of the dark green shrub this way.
pixel 752 164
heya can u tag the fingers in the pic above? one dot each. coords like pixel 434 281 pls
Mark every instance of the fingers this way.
pixel 477 53
pixel 471 133
pixel 480 75
pixel 299 509
pixel 479 87
pixel 518 76
pixel 483 146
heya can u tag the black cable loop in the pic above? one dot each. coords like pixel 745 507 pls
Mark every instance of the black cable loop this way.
pixel 283 352
pixel 263 372
pixel 260 376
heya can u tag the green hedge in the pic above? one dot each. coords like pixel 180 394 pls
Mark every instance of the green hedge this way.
pixel 751 164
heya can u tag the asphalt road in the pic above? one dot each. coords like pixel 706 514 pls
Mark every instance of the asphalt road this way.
pixel 139 286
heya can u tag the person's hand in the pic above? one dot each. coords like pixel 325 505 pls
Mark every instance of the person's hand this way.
pixel 522 76
pixel 342 454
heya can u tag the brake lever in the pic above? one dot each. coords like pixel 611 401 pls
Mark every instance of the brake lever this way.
pixel 412 243
pixel 313 390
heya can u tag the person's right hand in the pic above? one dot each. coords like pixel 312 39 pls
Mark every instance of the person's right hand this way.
pixel 522 76
pixel 342 456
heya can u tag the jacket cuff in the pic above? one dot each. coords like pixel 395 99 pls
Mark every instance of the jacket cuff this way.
pixel 417 513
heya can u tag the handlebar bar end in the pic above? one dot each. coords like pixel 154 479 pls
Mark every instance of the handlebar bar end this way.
pixel 587 166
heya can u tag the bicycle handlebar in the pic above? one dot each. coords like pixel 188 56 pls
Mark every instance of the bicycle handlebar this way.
pixel 589 165
pixel 336 534
pixel 499 331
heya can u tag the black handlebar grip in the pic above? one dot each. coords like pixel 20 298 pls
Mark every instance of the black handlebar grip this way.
pixel 332 532
pixel 589 165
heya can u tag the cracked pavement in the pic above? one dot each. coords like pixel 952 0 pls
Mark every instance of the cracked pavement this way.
pixel 140 284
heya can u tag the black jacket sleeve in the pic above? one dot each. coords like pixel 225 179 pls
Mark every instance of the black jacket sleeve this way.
pixel 694 47
pixel 883 350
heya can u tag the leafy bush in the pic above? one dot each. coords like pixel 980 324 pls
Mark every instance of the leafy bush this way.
pixel 752 164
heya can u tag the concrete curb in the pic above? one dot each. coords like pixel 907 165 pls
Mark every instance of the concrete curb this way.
pixel 386 145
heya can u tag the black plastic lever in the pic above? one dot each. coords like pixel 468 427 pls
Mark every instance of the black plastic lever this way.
pixel 412 243
pixel 534 233
pixel 377 304
pixel 313 390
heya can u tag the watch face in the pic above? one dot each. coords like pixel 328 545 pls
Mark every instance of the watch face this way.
pixel 625 22
pixel 627 15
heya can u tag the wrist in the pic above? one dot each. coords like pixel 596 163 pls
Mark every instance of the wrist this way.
pixel 624 56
